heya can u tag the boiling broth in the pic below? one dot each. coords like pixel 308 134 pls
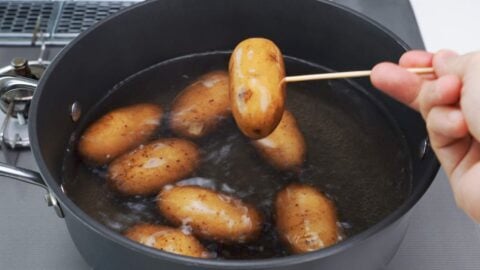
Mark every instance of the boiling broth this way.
pixel 355 154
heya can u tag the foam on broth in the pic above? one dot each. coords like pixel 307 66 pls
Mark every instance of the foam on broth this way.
pixel 355 155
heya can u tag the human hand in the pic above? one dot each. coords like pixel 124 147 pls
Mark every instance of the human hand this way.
pixel 449 101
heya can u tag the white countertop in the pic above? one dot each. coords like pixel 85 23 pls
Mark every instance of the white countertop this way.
pixel 452 24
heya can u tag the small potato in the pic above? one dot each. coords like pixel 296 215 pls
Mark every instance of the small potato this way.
pixel 119 131
pixel 167 239
pixel 145 170
pixel 284 148
pixel 210 214
pixel 257 94
pixel 306 220
pixel 200 107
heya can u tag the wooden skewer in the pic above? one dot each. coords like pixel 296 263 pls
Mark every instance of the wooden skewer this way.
pixel 347 74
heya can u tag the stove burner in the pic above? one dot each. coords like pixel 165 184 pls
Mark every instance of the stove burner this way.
pixel 19 65
pixel 18 82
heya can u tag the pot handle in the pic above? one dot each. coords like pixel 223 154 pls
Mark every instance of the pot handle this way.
pixel 34 178
pixel 22 175
pixel 12 82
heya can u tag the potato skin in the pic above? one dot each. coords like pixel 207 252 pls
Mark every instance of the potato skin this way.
pixel 305 218
pixel 145 170
pixel 166 239
pixel 118 132
pixel 257 94
pixel 211 215
pixel 198 109
pixel 285 147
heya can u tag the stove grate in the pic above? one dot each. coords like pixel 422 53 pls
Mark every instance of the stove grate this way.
pixel 60 21
pixel 78 16
pixel 21 17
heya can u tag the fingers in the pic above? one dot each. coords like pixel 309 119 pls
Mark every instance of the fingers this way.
pixel 448 62
pixel 408 88
pixel 450 105
pixel 402 85
pixel 448 132
pixel 446 124
pixel 444 91
pixel 412 59
pixel 467 68
pixel 397 82
pixel 470 100
pixel 470 104
pixel 416 59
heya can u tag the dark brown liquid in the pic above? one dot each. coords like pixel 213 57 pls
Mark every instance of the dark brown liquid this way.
pixel 355 154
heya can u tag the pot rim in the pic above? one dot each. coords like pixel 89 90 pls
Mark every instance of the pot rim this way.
pixel 65 202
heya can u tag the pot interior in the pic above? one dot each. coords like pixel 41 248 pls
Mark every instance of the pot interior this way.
pixel 364 147
pixel 348 133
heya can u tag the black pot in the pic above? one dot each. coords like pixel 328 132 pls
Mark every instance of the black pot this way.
pixel 153 31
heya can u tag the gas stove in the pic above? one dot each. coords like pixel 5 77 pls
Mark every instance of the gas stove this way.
pixel 15 96
pixel 439 236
